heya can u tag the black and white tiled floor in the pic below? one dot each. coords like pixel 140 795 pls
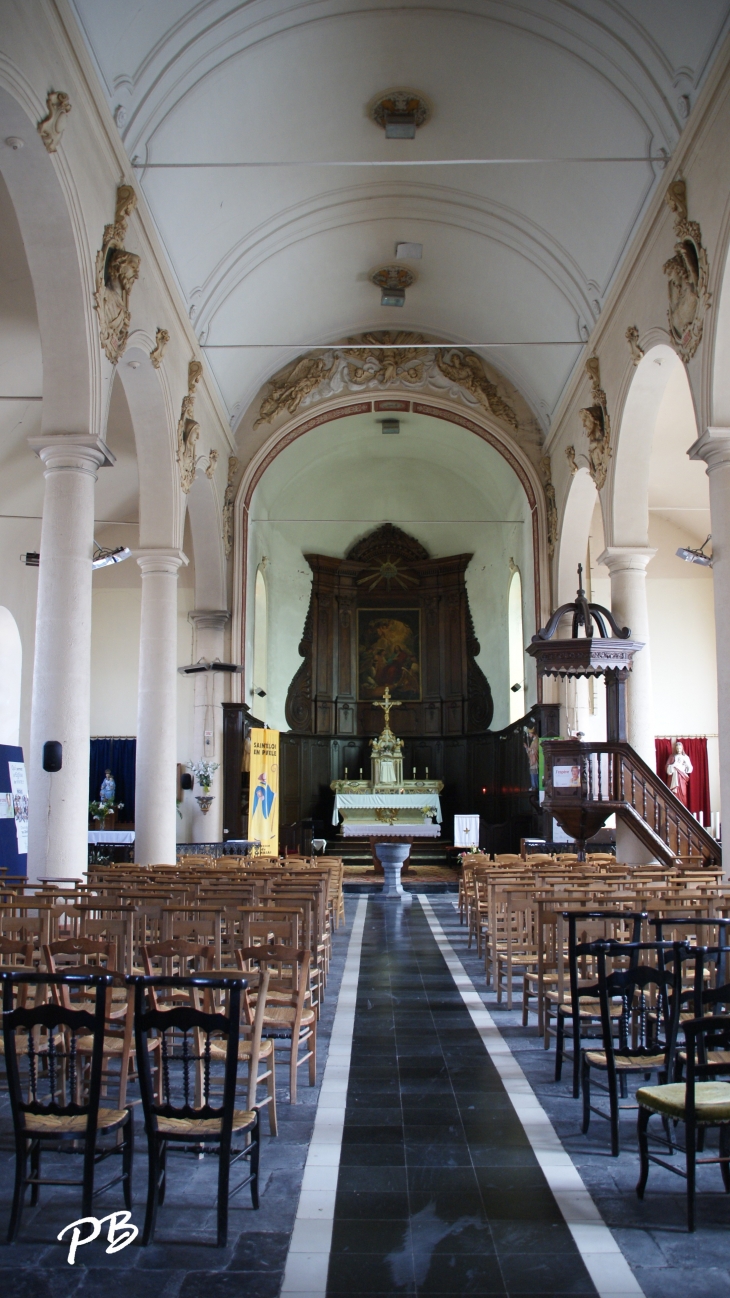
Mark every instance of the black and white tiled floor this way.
pixel 435 1156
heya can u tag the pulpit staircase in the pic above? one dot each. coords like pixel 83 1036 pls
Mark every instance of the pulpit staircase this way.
pixel 614 778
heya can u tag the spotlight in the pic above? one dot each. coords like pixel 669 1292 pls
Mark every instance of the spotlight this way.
pixel 390 425
pixel 515 688
pixel 696 556
pixel 392 282
pixel 103 557
pixel 258 692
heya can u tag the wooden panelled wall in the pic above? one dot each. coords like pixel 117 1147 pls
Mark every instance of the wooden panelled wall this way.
pixel 389 570
pixel 485 774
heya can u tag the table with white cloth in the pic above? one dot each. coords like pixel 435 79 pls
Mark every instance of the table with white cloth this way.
pixel 398 814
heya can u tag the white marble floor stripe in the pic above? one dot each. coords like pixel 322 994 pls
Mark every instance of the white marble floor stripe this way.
pixel 307 1263
pixel 604 1261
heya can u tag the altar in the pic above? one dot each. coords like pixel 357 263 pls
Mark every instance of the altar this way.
pixel 387 806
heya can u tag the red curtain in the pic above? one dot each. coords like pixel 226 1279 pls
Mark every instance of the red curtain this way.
pixel 698 792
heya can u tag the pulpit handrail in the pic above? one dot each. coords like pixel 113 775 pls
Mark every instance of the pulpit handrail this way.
pixel 613 772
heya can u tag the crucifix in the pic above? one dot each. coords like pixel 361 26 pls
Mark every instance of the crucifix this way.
pixel 386 705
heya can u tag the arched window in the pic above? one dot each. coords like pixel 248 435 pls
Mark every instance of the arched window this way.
pixel 260 646
pixel 11 665
pixel 516 648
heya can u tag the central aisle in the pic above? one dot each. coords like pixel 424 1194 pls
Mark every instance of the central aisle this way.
pixel 439 1191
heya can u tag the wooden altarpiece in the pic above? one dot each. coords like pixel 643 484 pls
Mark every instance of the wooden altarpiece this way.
pixel 390 573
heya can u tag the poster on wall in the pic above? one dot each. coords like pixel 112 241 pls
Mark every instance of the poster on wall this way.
pixel 389 653
pixel 13 811
pixel 263 804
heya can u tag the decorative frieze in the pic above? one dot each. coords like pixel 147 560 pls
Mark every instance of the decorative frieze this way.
pixel 50 128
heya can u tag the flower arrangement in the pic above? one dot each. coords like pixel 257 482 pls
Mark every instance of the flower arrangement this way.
pixel 203 772
pixel 100 810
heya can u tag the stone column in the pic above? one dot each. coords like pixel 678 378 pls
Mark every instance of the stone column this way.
pixel 627 565
pixel 59 802
pixel 210 691
pixel 714 448
pixel 156 815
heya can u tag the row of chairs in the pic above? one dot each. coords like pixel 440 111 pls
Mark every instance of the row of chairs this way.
pixel 59 1045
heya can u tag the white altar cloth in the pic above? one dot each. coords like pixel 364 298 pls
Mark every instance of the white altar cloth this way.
pixel 111 836
pixel 361 829
pixel 354 801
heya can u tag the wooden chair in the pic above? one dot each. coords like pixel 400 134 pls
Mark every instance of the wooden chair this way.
pixel 645 1044
pixel 176 1119
pixel 700 1103
pixel 54 1109
pixel 253 1049
pixel 294 1021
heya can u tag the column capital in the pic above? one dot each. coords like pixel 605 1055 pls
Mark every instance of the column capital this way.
pixel 77 452
pixel 209 619
pixel 160 560
pixel 713 447
pixel 626 558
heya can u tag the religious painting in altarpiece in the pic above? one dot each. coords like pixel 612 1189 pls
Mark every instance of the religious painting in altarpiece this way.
pixel 389 653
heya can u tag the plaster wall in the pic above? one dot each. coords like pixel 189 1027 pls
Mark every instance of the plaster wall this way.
pixel 438 482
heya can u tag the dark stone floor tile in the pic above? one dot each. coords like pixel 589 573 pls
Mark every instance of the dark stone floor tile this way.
pixel 533 1236
pixel 521 1205
pixel 458 1273
pixel 104 1283
pixel 373 1179
pixel 366 1273
pixel 260 1251
pixel 230 1284
pixel 448 1207
pixel 362 1204
pixel 425 1153
pixel 374 1236
pixel 180 1255
pixel 530 1275
pixel 368 1154
pixel 367 1135
pixel 452 1180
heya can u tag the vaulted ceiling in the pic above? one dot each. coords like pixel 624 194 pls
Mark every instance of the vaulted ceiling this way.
pixel 275 194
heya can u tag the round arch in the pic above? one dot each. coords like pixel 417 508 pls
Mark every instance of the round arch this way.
pixel 49 215
pixel 11 671
pixel 161 510
pixel 488 432
pixel 574 532
pixel 628 511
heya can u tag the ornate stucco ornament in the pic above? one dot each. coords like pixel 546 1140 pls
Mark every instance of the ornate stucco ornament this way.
pixel 632 338
pixel 396 358
pixel 466 369
pixel 162 338
pixel 570 457
pixel 188 430
pixel 50 127
pixel 116 271
pixel 212 461
pixel 597 426
pixel 551 505
pixel 688 275
pixel 399 103
pixel 228 506
pixel 288 392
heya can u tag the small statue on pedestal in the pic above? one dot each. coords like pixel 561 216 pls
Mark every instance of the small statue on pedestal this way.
pixel 108 790
pixel 679 769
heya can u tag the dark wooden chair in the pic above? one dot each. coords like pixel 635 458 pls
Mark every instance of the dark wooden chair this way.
pixel 46 1037
pixel 583 1008
pixel 700 1103
pixel 643 1038
pixel 187 1035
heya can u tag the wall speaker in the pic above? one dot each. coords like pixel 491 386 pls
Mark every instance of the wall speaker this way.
pixel 52 755
pixel 186 780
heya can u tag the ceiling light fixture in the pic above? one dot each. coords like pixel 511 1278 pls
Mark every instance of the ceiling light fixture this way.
pixel 393 282
pixel 202 665
pixel 389 425
pixel 696 556
pixel 409 251
pixel 400 113
pixel 103 558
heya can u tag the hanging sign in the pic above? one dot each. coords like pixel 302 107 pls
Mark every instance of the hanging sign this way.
pixel 263 803
pixel 19 788
pixel 13 810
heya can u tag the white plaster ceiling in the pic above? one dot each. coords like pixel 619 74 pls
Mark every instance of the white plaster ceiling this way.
pixel 517 253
